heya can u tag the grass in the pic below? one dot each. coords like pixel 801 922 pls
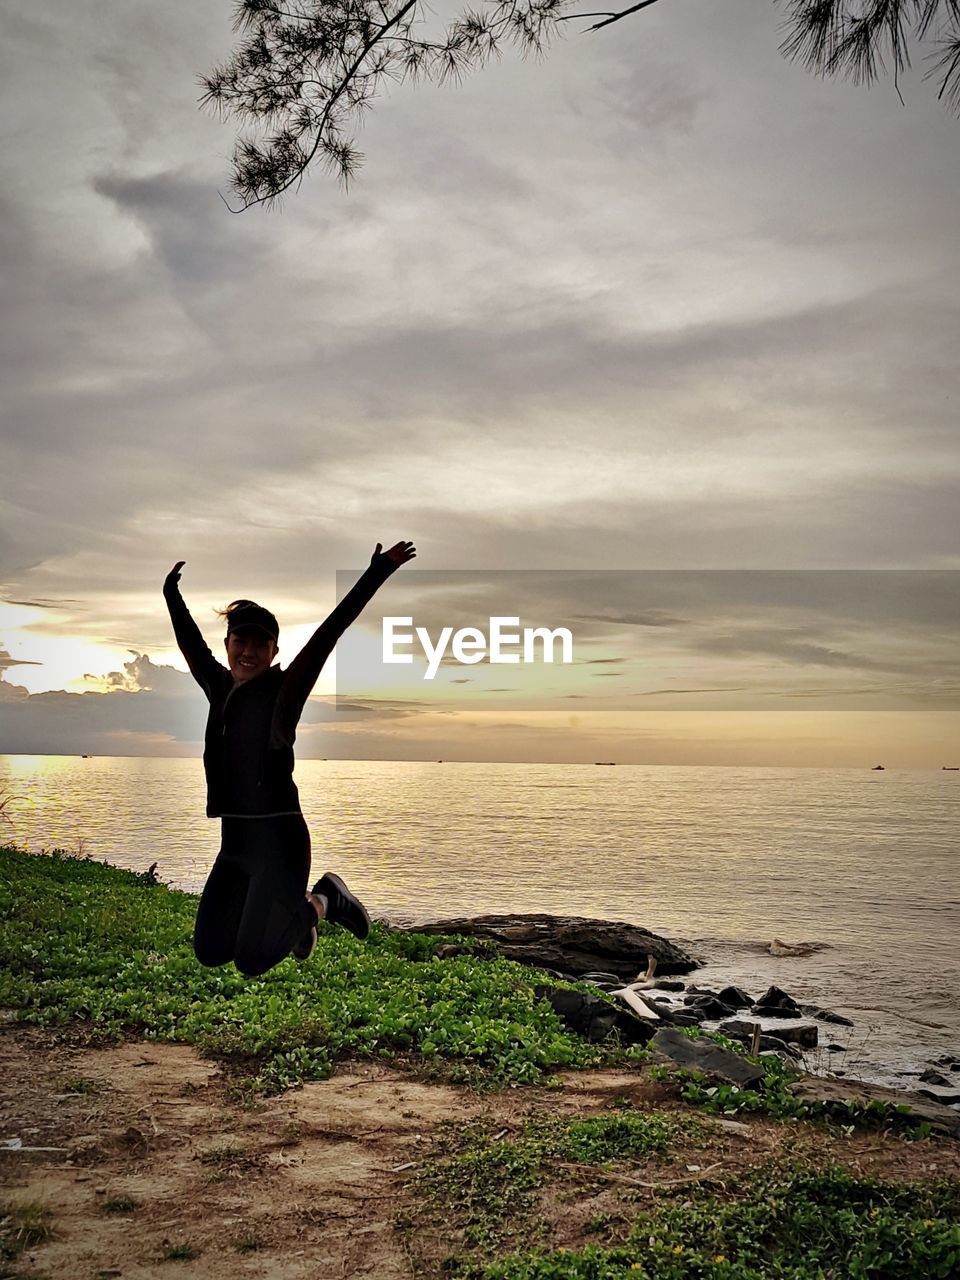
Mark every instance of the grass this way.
pixel 109 953
pixel 85 942
pixel 81 941
pixel 180 1252
pixel 226 1154
pixel 22 1227
pixel 782 1222
pixel 224 1161
pixel 772 1096
pixel 798 1226
pixel 80 1085
pixel 6 800
pixel 486 1186
pixel 119 1204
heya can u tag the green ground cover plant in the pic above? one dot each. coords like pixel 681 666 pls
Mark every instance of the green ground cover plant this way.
pixel 794 1226
pixel 487 1184
pixel 772 1096
pixel 110 952
pixel 84 941
pixel 79 1084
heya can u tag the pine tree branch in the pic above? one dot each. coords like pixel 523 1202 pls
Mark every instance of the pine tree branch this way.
pixel 307 72
pixel 331 102
pixel 608 16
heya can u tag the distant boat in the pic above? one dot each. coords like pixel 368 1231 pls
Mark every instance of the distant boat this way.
pixel 605 762
pixel 950 768
pixel 876 767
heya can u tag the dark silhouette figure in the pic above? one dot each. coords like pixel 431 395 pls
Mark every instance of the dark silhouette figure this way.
pixel 255 908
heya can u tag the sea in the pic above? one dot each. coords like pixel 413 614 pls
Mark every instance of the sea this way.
pixel 862 864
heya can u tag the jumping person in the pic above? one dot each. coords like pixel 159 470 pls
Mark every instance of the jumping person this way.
pixel 255 908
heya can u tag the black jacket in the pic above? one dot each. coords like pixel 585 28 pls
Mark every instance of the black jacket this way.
pixel 252 726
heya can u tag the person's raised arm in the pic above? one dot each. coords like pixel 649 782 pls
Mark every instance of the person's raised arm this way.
pixel 204 667
pixel 304 670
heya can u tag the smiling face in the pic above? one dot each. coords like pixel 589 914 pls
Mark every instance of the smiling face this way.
pixel 250 652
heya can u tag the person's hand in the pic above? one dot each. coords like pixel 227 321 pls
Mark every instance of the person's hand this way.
pixel 398 554
pixel 172 579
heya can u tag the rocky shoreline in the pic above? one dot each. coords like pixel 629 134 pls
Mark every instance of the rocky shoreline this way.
pixel 641 969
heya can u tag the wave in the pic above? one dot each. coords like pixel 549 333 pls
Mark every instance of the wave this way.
pixel 806 946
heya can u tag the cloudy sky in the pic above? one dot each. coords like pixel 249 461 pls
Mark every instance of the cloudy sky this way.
pixel 662 301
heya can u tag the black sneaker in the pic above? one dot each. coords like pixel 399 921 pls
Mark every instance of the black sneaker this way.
pixel 342 907
pixel 304 948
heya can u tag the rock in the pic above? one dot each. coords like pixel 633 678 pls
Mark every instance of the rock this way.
pixel 775 1011
pixel 710 1007
pixel 670 984
pixel 587 1015
pixel 838 1020
pixel 776 1044
pixel 948 1097
pixel 735 997
pixel 782 1054
pixel 827 1089
pixel 571 944
pixel 825 1015
pixel 835 1048
pixel 934 1077
pixel 633 1030
pixel 734 1126
pixel 767 1043
pixel 805 1034
pixel 778 997
pixel 683 1018
pixel 706 1056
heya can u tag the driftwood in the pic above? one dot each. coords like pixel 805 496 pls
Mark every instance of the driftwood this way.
pixel 610 1175
pixel 643 982
pixel 639 1006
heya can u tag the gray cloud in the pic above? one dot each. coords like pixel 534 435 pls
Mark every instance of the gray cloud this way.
pixel 148 708
pixel 661 301
pixel 6 661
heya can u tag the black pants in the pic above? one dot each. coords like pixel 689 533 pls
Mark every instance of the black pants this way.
pixel 253 909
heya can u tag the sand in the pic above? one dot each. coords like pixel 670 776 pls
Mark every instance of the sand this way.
pixel 319 1182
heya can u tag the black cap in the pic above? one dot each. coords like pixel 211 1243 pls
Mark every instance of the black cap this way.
pixel 253 615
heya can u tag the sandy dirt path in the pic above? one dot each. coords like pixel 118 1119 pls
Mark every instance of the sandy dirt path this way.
pixel 148 1168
